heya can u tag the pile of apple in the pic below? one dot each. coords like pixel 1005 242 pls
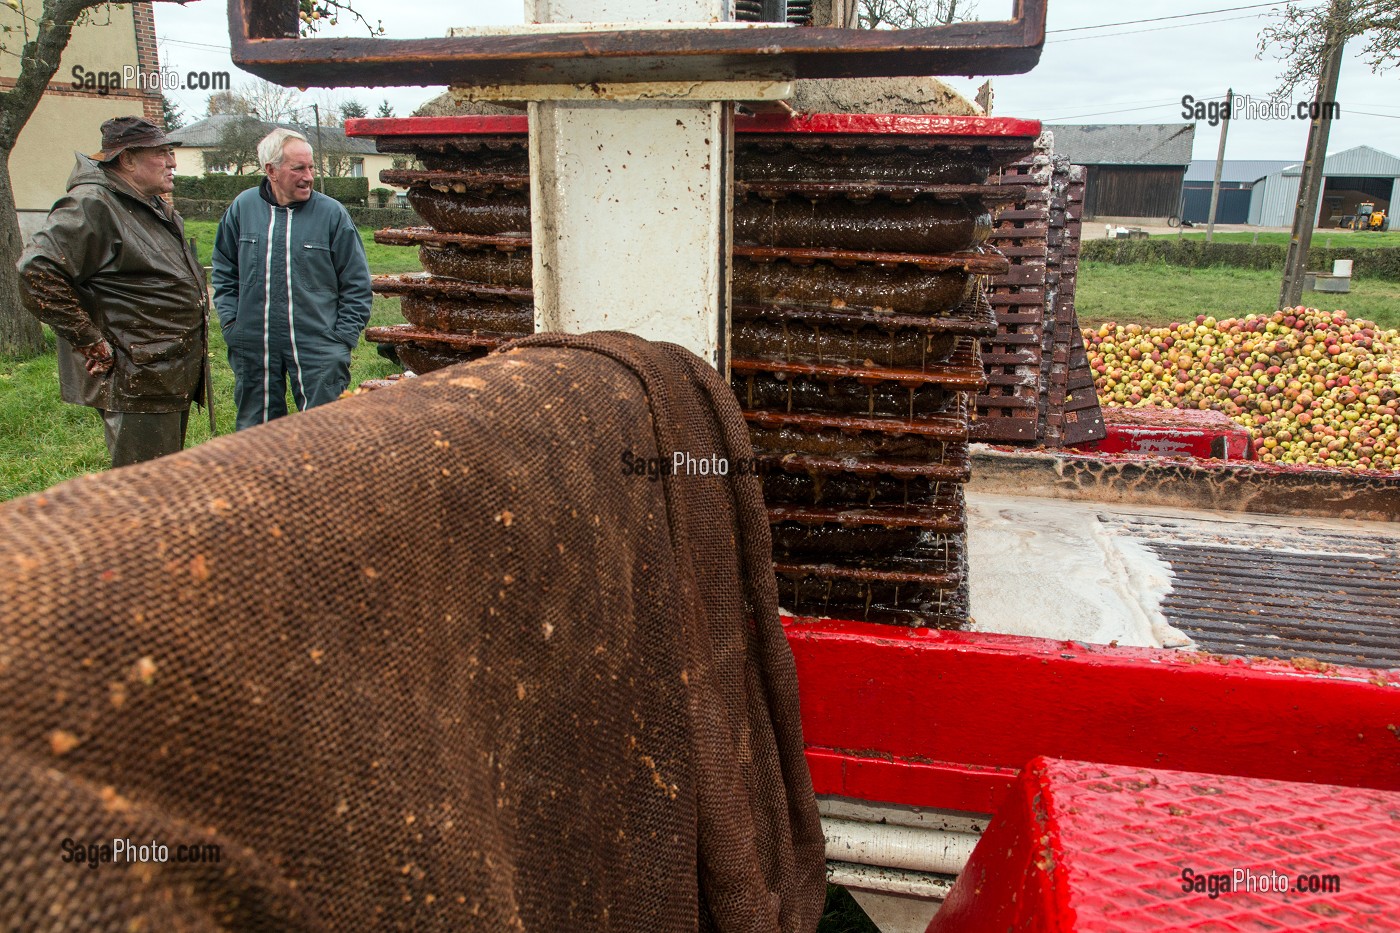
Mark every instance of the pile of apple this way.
pixel 1311 386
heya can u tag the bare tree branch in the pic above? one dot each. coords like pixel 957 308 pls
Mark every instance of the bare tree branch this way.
pixel 1297 36
pixel 271 102
pixel 313 12
pixel 227 102
pixel 237 148
pixel 913 14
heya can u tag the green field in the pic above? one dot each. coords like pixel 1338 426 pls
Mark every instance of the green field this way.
pixel 1325 238
pixel 385 260
pixel 1156 293
pixel 43 441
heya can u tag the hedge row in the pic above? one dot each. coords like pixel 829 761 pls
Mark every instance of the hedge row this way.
pixel 1376 263
pixel 214 187
pixel 227 187
pixel 200 209
pixel 373 217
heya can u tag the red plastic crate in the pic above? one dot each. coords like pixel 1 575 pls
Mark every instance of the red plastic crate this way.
pixel 1109 849
pixel 1171 432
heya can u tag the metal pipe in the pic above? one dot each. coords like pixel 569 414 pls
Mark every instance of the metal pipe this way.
pixel 938 851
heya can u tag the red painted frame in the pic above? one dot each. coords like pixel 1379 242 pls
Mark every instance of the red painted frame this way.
pixel 947 719
pixel 889 124
pixel 881 124
pixel 1090 848
pixel 437 126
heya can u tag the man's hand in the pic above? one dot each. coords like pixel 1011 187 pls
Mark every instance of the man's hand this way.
pixel 98 357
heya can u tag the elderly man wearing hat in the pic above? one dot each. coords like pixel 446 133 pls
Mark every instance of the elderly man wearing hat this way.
pixel 111 273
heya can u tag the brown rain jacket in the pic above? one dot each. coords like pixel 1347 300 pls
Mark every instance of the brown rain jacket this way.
pixel 111 264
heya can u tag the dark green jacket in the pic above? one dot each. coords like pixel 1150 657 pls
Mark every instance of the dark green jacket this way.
pixel 111 264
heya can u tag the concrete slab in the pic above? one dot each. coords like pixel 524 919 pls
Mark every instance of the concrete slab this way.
pixel 1291 587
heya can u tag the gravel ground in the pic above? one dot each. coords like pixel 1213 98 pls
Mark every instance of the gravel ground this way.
pixel 1094 229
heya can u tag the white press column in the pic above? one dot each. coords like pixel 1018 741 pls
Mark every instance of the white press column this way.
pixel 629 210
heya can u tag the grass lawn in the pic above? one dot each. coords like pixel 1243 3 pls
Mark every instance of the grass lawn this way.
pixel 383 260
pixel 1327 238
pixel 43 441
pixel 843 914
pixel 1158 293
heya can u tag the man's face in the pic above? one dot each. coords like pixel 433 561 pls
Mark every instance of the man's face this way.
pixel 149 171
pixel 291 181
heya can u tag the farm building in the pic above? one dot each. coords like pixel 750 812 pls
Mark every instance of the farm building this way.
pixel 1352 177
pixel 1237 181
pixel 355 157
pixel 1135 171
pixel 109 69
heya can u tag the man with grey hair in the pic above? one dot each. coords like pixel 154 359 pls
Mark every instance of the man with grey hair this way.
pixel 291 286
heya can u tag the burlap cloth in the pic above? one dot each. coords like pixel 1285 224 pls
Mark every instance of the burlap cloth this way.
pixel 421 659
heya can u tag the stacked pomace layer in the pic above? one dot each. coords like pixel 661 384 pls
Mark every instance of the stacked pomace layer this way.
pixel 857 309
pixel 474 191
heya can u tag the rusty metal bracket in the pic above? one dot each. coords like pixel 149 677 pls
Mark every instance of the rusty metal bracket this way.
pixel 263 36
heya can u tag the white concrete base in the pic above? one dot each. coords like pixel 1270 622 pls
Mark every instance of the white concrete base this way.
pixel 1087 581
pixel 896 913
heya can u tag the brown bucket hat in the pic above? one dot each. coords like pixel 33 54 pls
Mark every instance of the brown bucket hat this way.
pixel 120 133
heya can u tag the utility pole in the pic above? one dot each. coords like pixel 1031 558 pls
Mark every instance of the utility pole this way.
pixel 1310 184
pixel 1220 162
pixel 320 170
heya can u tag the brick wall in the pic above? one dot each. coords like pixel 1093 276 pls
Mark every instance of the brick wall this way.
pixel 147 59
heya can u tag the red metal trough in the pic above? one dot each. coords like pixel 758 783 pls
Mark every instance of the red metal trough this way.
pixel 947 720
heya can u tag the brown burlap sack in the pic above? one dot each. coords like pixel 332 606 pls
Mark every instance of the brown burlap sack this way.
pixel 426 658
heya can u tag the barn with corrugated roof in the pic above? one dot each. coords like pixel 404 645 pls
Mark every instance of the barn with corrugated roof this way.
pixel 1354 177
pixel 1237 180
pixel 1135 171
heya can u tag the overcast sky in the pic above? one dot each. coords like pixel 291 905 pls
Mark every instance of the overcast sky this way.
pixel 1133 73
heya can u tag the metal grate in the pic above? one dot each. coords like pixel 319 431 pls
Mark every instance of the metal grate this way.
pixel 1251 589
